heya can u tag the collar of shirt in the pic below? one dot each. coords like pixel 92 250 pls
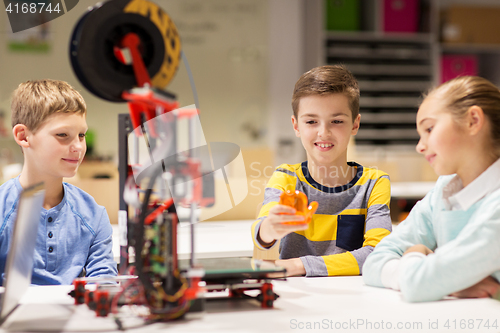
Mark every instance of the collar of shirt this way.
pixel 54 210
pixel 456 197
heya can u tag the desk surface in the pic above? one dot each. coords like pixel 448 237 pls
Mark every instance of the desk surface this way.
pixel 339 304
pixel 212 239
pixel 411 190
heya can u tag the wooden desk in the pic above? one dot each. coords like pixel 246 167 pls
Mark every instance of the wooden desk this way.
pixel 333 304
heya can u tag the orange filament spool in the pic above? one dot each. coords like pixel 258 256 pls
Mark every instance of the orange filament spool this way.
pixel 298 200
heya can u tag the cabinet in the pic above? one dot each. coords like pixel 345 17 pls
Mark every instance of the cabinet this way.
pixel 393 69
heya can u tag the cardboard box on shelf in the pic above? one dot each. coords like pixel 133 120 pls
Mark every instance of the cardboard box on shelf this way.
pixel 401 166
pixel 272 254
pixel 100 180
pixel 471 25
pixel 95 169
pixel 252 189
pixel 104 191
pixel 259 162
pixel 245 188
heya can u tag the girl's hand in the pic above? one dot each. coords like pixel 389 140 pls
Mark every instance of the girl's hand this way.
pixel 419 248
pixel 273 226
pixel 487 287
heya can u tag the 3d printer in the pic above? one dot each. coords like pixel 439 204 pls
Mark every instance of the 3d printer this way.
pixel 128 51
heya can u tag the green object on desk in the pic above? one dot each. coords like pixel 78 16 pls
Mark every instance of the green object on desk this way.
pixel 236 267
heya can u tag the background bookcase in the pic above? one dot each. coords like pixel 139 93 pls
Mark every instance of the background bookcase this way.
pixel 393 68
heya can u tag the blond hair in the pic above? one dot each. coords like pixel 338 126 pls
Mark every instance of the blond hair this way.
pixel 325 80
pixel 34 101
pixel 463 92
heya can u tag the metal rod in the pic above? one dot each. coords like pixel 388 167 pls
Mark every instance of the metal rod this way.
pixel 191 224
pixel 192 139
pixel 123 131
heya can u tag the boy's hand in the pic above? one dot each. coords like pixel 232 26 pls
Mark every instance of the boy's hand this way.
pixel 273 226
pixel 294 267
pixel 488 287
pixel 419 248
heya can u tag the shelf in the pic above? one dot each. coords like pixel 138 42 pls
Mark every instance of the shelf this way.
pixel 471 48
pixel 393 70
pixel 393 86
pixel 364 52
pixel 380 36
pixel 387 134
pixel 389 102
pixel 388 118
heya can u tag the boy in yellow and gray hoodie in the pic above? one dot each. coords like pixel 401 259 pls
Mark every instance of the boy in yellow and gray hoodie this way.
pixel 353 212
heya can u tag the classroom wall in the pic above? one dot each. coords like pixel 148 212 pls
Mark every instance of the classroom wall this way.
pixel 17 67
pixel 244 56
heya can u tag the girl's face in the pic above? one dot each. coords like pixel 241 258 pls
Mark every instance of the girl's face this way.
pixel 442 139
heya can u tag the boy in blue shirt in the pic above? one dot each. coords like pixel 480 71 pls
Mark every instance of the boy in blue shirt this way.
pixel 48 119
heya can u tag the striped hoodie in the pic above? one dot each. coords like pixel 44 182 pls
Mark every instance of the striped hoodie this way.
pixel 350 220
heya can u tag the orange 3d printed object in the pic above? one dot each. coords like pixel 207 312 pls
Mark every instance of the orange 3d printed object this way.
pixel 298 200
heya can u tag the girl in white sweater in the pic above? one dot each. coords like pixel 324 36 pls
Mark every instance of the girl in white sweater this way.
pixel 449 244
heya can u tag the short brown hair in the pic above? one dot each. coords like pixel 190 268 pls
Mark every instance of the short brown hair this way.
pixel 461 93
pixel 34 101
pixel 325 80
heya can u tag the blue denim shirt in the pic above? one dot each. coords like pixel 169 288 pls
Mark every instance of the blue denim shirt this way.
pixel 73 235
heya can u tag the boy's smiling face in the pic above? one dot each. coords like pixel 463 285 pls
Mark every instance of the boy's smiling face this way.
pixel 57 148
pixel 324 125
